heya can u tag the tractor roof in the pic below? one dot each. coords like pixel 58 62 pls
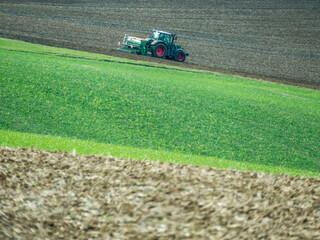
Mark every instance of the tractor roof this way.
pixel 160 31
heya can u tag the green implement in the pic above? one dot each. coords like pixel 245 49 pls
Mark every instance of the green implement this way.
pixel 160 45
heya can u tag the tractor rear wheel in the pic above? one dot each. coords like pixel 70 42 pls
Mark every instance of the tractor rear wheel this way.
pixel 180 56
pixel 159 50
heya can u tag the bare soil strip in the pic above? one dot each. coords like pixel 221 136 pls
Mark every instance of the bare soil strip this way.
pixel 61 195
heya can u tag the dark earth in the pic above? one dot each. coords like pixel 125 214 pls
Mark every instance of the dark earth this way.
pixel 57 195
pixel 276 40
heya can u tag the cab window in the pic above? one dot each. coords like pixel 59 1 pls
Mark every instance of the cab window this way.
pixel 164 37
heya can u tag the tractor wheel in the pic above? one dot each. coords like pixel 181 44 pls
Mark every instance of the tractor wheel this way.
pixel 159 50
pixel 180 56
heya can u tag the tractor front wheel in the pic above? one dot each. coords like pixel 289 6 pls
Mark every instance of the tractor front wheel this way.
pixel 159 50
pixel 180 56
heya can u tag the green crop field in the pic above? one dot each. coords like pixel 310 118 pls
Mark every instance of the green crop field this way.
pixel 146 110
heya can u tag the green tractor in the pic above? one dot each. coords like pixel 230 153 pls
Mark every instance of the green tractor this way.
pixel 160 45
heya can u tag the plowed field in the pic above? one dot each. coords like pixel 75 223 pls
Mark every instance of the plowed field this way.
pixel 273 40
pixel 62 196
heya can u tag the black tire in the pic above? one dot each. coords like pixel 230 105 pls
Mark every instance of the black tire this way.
pixel 159 50
pixel 180 56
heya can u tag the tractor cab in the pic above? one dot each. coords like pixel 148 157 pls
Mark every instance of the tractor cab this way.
pixel 167 38
pixel 162 36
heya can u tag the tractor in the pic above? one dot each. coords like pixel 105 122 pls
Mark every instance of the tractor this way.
pixel 160 45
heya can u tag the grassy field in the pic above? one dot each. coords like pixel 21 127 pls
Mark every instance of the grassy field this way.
pixel 246 123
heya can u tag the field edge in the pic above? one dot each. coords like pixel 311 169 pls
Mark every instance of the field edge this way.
pixel 85 147
pixel 22 46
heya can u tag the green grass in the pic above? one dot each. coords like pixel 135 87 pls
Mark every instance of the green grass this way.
pixel 82 147
pixel 137 105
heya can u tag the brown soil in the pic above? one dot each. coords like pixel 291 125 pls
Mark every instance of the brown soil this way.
pixel 271 40
pixel 58 195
